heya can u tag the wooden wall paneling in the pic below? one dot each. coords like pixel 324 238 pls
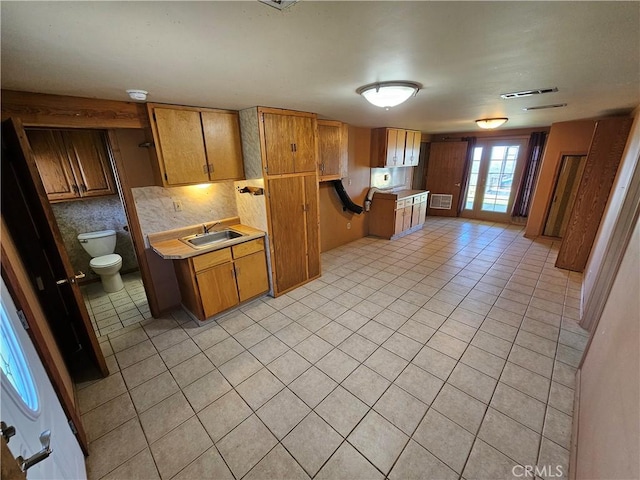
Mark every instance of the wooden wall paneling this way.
pixel 603 159
pixel 444 173
pixel 39 109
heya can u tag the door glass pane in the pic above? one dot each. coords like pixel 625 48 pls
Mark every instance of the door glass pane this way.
pixel 497 190
pixel 14 365
pixel 473 178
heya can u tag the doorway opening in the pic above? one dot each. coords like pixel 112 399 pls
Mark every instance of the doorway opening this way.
pixel 494 175
pixel 564 195
pixel 77 169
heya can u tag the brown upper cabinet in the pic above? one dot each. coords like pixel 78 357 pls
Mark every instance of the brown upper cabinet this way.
pixel 196 145
pixel 395 147
pixel 72 164
pixel 289 141
pixel 332 150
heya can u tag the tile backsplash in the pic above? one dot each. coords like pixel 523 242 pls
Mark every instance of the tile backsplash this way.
pixel 91 215
pixel 200 203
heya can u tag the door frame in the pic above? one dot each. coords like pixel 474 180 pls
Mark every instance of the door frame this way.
pixel 477 213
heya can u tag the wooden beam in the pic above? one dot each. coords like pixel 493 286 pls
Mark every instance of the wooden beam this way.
pixel 44 110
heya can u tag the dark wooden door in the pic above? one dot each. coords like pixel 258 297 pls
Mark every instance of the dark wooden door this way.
pixel 603 159
pixel 445 171
pixel 29 218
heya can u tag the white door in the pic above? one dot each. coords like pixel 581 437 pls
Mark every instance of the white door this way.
pixel 29 403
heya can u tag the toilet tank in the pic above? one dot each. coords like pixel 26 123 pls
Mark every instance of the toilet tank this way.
pixel 99 243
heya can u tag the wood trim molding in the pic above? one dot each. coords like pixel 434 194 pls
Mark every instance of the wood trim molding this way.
pixel 44 110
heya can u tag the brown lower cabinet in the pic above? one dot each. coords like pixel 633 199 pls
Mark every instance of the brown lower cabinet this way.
pixel 217 281
pixel 391 217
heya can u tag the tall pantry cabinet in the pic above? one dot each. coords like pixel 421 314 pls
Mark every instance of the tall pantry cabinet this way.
pixel 280 150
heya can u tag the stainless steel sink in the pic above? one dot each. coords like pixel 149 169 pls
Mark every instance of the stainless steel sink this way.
pixel 203 240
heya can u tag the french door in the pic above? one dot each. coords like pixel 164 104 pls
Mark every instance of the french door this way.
pixel 493 179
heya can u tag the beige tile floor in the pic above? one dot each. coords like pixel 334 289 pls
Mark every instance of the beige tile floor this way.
pixel 110 312
pixel 449 353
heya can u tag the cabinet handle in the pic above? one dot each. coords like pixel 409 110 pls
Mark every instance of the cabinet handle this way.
pixel 292 145
pixel 75 188
pixel 237 270
pixel 205 168
pixel 295 147
pixel 83 188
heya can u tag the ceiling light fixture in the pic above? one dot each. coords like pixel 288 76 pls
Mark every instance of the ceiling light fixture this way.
pixel 528 93
pixel 490 123
pixel 389 94
pixel 140 95
pixel 542 107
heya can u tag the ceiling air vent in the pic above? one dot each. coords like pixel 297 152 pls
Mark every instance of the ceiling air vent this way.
pixel 542 107
pixel 279 4
pixel 528 93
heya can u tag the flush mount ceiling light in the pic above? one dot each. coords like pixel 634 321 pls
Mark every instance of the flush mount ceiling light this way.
pixel 140 95
pixel 389 94
pixel 528 93
pixel 490 123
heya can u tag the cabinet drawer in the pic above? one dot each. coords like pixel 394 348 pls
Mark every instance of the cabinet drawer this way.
pixel 423 197
pixel 400 204
pixel 211 259
pixel 247 248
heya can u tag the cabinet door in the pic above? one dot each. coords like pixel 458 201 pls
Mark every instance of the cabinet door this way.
pixel 278 143
pixel 217 287
pixel 415 215
pixel 288 235
pixel 408 210
pixel 423 211
pixel 304 144
pixel 412 148
pixel 90 159
pixel 399 219
pixel 251 275
pixel 329 150
pixel 181 146
pixel 222 143
pixel 312 221
pixel 53 164
pixel 392 155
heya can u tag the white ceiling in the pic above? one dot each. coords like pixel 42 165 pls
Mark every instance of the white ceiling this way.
pixel 314 55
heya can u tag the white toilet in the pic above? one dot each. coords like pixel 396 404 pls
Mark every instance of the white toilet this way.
pixel 101 245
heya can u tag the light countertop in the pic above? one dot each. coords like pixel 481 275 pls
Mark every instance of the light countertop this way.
pixel 169 246
pixel 399 194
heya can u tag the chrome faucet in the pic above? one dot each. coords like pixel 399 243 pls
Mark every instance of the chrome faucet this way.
pixel 207 229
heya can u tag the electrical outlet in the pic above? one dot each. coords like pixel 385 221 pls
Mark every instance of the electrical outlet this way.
pixel 348 225
pixel 177 206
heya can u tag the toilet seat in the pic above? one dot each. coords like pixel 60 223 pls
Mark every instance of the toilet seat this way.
pixel 105 261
